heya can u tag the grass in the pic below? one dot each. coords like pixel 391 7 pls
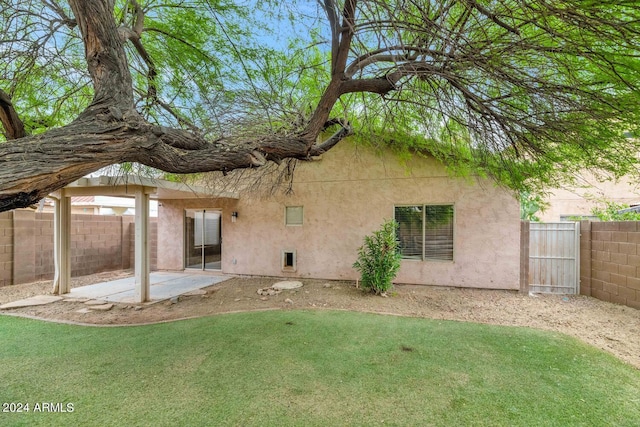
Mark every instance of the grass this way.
pixel 313 369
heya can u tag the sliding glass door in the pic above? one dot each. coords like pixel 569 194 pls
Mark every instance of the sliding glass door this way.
pixel 203 235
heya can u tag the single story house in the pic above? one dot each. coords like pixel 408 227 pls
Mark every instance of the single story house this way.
pixel 462 232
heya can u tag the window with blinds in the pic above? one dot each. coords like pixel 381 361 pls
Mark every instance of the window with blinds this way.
pixel 425 232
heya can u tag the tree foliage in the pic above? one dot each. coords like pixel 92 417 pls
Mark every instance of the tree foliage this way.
pixel 531 205
pixel 525 91
pixel 612 211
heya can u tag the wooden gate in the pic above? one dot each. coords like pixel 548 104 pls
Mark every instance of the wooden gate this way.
pixel 554 257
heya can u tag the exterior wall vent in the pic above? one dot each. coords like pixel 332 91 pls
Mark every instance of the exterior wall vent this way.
pixel 289 260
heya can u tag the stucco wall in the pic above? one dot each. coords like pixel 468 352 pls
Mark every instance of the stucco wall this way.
pixel 170 246
pixel 346 195
pixel 588 194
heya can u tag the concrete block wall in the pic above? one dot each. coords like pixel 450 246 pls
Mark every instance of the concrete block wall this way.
pixel 614 262
pixel 43 232
pixel 6 248
pixel 98 243
pixel 24 248
pixel 128 242
pixel 153 243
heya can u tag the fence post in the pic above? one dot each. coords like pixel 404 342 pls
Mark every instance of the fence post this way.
pixel 585 257
pixel 524 257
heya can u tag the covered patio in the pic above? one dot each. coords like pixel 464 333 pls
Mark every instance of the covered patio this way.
pixel 162 286
pixel 142 189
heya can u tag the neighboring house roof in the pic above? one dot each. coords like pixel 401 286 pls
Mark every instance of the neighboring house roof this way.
pixel 106 205
pixel 81 200
pixel 635 208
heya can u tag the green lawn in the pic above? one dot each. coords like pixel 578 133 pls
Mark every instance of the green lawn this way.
pixel 311 368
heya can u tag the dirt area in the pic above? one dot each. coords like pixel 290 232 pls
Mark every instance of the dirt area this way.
pixel 611 327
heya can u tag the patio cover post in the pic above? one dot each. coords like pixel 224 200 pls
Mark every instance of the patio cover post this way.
pixel 62 244
pixel 142 246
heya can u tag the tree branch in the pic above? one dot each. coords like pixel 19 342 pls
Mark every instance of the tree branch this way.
pixel 492 16
pixel 344 131
pixel 334 89
pixel 105 54
pixel 13 126
pixel 134 34
pixel 346 36
pixel 85 146
pixel 330 9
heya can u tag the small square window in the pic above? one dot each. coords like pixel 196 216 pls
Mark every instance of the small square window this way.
pixel 293 215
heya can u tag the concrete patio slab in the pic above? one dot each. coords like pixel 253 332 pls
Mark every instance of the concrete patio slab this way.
pixel 33 301
pixel 164 285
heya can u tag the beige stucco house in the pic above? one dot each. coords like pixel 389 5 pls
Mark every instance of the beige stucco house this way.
pixel 453 231
pixel 589 192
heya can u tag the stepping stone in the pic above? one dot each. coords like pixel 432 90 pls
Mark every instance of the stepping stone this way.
pixel 95 302
pixel 75 300
pixel 103 307
pixel 83 310
pixel 195 293
pixel 33 301
pixel 287 284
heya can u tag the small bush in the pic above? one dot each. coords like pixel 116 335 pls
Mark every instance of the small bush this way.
pixel 378 259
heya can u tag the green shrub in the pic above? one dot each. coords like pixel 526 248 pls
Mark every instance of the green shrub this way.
pixel 379 259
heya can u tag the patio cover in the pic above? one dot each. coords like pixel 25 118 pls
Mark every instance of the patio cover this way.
pixel 142 189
